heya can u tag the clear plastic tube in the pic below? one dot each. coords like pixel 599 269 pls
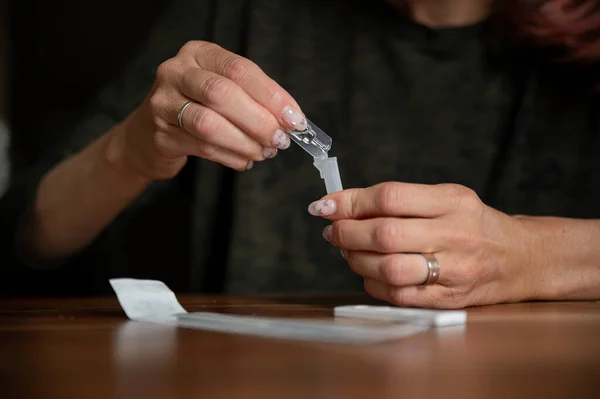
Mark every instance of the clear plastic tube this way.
pixel 328 167
pixel 317 143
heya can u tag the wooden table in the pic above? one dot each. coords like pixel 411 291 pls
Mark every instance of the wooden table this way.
pixel 86 348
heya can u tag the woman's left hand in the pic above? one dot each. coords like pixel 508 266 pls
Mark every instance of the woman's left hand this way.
pixel 485 256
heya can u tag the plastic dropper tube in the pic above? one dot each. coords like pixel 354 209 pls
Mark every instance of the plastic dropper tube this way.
pixel 328 167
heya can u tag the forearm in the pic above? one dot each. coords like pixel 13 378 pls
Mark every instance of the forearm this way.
pixel 77 199
pixel 567 257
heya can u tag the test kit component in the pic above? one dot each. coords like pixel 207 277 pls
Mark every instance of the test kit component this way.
pixel 436 318
pixel 318 144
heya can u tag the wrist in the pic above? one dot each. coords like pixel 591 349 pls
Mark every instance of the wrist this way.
pixel 116 155
pixel 537 249
pixel 564 254
pixel 131 149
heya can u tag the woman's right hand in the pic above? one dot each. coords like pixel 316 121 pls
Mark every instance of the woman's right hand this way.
pixel 236 117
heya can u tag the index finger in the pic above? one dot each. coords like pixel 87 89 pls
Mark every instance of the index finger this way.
pixel 386 199
pixel 256 83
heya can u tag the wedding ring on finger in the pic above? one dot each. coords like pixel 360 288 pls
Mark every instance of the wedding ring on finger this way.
pixel 180 114
pixel 433 269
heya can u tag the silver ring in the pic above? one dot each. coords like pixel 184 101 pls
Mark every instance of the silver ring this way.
pixel 433 267
pixel 180 114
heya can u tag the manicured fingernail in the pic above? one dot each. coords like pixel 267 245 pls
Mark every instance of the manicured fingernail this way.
pixel 322 208
pixel 281 140
pixel 250 165
pixel 269 152
pixel 344 253
pixel 327 233
pixel 294 118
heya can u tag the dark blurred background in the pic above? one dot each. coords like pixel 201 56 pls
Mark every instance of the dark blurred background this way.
pixel 57 56
pixel 4 168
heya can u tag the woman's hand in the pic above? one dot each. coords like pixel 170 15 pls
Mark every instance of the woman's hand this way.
pixel 234 117
pixel 485 256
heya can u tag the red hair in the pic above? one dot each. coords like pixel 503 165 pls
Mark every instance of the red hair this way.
pixel 569 27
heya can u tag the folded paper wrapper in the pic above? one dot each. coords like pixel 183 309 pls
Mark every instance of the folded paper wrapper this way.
pixel 152 301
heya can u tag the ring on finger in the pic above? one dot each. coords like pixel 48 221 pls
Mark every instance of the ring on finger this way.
pixel 433 269
pixel 180 114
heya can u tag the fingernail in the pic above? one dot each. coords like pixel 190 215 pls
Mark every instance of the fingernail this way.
pixel 294 118
pixel 344 253
pixel 322 208
pixel 327 233
pixel 269 152
pixel 281 140
pixel 250 165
